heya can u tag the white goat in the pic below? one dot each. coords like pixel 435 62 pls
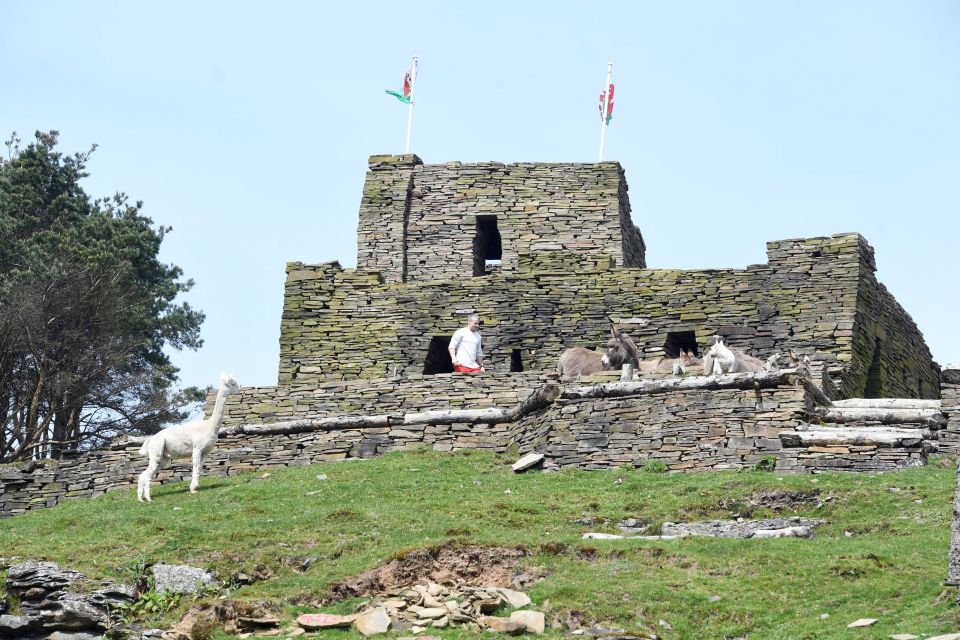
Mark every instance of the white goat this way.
pixel 194 439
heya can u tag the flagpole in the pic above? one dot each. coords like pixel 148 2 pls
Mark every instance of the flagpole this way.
pixel 603 113
pixel 413 82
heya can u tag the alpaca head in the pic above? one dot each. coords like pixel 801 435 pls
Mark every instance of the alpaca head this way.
pixel 228 383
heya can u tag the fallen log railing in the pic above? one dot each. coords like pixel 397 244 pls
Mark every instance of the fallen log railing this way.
pixel 539 399
pixel 746 381
pixel 814 435
pixel 932 418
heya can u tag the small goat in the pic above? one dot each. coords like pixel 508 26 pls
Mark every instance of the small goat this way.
pixel 194 439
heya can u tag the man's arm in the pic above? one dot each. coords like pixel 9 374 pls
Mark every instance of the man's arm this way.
pixel 454 343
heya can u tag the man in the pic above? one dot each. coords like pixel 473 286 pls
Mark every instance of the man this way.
pixel 465 349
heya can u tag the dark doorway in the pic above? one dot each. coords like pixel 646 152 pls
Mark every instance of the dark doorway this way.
pixel 487 245
pixel 875 374
pixel 680 340
pixel 516 361
pixel 438 356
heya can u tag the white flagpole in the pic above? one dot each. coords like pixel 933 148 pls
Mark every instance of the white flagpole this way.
pixel 603 113
pixel 413 82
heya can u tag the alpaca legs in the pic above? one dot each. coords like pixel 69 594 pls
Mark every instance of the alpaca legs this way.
pixel 197 465
pixel 143 482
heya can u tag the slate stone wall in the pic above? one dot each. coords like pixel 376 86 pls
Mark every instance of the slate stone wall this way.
pixel 950 405
pixel 816 296
pixel 419 222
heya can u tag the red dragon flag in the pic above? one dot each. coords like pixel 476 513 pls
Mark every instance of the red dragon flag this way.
pixel 606 107
pixel 406 96
pixel 606 96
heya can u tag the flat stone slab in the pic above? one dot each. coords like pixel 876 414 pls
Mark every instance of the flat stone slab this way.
pixel 373 622
pixel 528 461
pixel 771 528
pixel 534 621
pixel 862 622
pixel 317 621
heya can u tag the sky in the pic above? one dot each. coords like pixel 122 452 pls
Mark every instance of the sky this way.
pixel 246 127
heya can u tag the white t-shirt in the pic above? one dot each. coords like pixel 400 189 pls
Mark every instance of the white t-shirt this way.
pixel 466 344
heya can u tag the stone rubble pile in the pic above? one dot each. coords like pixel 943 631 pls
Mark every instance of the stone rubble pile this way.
pixel 433 606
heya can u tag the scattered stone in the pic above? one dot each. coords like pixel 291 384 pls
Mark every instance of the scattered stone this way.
pixel 430 613
pixel 714 599
pixel 904 636
pixel 949 636
pixel 516 599
pixel 13 626
pixel 373 622
pixel 321 476
pixel 533 621
pixel 792 527
pixel 317 621
pixel 666 625
pixel 632 526
pixel 502 625
pixel 175 578
pixel 862 622
pixel 527 462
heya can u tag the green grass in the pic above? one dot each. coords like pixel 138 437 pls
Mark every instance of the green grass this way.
pixel 891 568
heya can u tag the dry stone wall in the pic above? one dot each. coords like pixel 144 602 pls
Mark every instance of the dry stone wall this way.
pixel 385 395
pixel 950 405
pixel 419 222
pixel 685 429
pixel 345 324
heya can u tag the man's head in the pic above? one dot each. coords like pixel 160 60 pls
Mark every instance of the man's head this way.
pixel 473 322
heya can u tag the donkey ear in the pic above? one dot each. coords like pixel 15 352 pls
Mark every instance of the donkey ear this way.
pixel 614 331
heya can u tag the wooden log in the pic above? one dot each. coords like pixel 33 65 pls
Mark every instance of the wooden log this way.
pixel 832 436
pixel 927 417
pixel 310 424
pixel 539 399
pixel 759 379
pixel 816 392
pixel 887 403
pixel 491 415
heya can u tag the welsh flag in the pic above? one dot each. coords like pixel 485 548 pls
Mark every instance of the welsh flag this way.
pixel 403 97
pixel 603 94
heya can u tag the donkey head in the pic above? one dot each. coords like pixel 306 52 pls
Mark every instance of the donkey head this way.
pixel 620 350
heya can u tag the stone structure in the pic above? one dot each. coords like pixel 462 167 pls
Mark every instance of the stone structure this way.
pixel 571 263
pixel 549 256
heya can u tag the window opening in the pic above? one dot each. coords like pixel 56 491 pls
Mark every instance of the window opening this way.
pixel 874 387
pixel 680 341
pixel 487 246
pixel 516 361
pixel 438 356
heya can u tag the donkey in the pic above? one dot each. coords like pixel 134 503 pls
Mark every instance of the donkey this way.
pixel 722 359
pixel 686 361
pixel 578 361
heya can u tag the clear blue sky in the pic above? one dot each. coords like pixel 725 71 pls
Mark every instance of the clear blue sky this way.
pixel 247 127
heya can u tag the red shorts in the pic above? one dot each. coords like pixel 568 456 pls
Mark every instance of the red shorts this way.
pixel 459 368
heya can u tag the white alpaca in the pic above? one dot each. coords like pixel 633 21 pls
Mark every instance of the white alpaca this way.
pixel 194 439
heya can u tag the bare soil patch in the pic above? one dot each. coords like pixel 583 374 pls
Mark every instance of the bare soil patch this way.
pixel 448 564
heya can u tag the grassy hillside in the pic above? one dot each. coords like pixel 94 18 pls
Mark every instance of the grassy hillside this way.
pixel 883 553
